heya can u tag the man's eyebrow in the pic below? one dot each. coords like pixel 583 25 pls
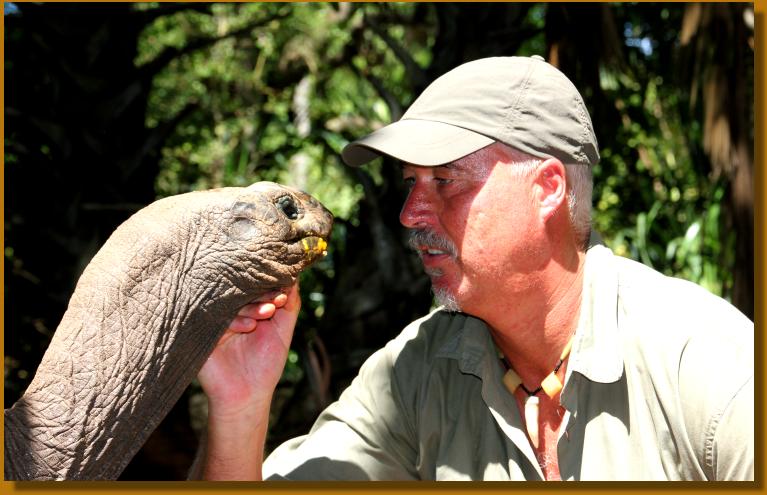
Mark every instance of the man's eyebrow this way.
pixel 458 165
pixel 448 165
pixel 404 165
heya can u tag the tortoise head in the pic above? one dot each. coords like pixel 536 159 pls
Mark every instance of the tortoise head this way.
pixel 285 229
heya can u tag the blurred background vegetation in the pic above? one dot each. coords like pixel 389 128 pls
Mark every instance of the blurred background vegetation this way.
pixel 111 106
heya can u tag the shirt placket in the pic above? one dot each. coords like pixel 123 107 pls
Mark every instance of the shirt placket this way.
pixel 479 360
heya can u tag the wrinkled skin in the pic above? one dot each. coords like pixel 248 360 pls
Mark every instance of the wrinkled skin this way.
pixel 146 313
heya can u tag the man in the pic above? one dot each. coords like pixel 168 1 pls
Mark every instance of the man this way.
pixel 550 357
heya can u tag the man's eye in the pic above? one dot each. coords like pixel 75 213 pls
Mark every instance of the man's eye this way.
pixel 409 182
pixel 442 180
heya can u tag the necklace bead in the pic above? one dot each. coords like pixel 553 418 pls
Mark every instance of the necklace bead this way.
pixel 551 386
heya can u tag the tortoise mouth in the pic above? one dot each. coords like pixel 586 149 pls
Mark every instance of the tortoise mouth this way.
pixel 314 247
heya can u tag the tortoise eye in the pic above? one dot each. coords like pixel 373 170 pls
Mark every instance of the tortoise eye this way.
pixel 288 207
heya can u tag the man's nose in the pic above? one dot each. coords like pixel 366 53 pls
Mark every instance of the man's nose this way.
pixel 418 208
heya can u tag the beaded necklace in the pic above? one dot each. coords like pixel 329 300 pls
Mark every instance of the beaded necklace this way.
pixel 551 385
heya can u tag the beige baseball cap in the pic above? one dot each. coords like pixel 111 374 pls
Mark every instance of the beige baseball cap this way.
pixel 521 101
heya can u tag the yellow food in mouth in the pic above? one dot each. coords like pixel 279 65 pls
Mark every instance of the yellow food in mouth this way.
pixel 315 246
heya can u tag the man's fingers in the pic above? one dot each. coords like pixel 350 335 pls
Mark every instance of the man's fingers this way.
pixel 258 311
pixel 242 324
pixel 269 296
pixel 248 316
pixel 276 297
pixel 264 308
pixel 280 300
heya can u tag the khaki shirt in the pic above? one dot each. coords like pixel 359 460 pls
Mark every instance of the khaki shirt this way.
pixel 659 386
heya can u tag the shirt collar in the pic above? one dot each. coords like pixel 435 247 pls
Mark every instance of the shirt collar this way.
pixel 596 351
pixel 469 345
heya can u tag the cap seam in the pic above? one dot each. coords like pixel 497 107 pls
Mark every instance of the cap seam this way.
pixel 581 152
pixel 514 107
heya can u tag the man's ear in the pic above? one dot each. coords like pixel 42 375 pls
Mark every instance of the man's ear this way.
pixel 550 187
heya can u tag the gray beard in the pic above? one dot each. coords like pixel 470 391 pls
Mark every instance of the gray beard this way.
pixel 446 299
pixel 443 297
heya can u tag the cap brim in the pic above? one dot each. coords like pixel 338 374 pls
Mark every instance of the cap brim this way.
pixel 420 142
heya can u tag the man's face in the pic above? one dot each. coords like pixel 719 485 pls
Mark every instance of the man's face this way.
pixel 474 225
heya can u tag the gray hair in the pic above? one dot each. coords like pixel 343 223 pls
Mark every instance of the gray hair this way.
pixel 579 189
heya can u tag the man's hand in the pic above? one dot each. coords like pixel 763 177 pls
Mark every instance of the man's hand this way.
pixel 249 359
pixel 239 379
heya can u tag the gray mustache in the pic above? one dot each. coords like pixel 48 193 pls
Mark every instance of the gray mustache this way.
pixel 423 237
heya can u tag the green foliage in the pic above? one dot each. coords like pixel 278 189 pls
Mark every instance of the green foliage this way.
pixel 653 199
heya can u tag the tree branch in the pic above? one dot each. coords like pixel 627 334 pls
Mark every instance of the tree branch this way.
pixel 149 69
pixel 146 17
pixel 417 75
pixel 395 108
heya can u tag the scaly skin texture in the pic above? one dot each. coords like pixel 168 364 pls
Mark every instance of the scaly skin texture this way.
pixel 146 313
